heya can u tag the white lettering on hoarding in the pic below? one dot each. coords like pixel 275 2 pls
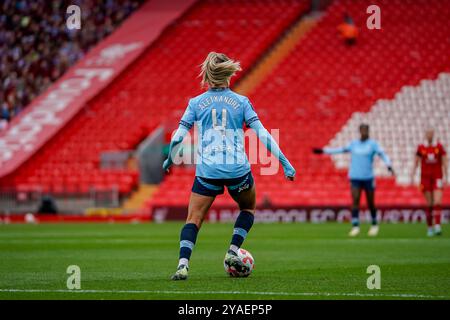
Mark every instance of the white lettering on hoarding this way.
pixel 22 135
pixel 44 115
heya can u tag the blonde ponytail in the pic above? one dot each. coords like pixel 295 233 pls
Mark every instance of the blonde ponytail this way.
pixel 217 69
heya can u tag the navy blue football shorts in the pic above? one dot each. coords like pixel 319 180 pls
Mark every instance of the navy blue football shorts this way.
pixel 214 187
pixel 366 184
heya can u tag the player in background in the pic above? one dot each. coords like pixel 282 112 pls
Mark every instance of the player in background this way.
pixel 433 175
pixel 361 175
pixel 217 111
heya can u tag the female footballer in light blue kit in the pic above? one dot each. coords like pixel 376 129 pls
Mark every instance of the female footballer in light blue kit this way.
pixel 361 174
pixel 220 114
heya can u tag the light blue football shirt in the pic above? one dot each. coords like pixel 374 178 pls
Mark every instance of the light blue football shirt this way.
pixel 220 114
pixel 363 154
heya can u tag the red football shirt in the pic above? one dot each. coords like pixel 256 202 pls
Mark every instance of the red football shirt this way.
pixel 431 159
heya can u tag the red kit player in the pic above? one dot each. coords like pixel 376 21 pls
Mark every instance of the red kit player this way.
pixel 433 160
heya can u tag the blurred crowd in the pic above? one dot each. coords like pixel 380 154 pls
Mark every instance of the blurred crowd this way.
pixel 36 48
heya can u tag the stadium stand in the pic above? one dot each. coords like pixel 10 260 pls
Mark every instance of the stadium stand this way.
pixel 315 92
pixel 36 48
pixel 323 82
pixel 401 122
pixel 149 94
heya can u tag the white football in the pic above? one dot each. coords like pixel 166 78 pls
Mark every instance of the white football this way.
pixel 247 260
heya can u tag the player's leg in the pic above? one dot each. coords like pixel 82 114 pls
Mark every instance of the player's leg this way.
pixel 429 211
pixel 247 202
pixel 356 196
pixel 437 201
pixel 244 194
pixel 201 199
pixel 370 197
pixel 198 208
pixel 427 190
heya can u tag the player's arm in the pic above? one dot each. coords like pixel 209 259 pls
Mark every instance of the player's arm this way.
pixel 186 123
pixel 252 121
pixel 380 152
pixel 273 147
pixel 417 160
pixel 339 150
pixel 444 164
pixel 175 145
pixel 445 168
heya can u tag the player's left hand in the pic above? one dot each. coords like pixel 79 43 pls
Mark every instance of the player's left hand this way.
pixel 290 178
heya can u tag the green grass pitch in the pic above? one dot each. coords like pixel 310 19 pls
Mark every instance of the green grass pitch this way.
pixel 292 261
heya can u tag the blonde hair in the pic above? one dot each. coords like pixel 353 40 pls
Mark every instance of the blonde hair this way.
pixel 217 69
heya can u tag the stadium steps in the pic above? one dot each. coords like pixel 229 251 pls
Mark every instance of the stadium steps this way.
pixel 138 198
pixel 102 212
pixel 285 45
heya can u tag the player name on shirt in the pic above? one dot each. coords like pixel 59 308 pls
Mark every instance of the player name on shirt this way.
pixel 205 103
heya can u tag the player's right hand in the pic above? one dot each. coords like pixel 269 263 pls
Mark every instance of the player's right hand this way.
pixel 317 150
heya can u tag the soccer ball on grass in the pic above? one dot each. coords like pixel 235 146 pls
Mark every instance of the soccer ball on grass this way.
pixel 247 260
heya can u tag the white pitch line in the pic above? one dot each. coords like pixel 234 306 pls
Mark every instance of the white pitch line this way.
pixel 263 293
